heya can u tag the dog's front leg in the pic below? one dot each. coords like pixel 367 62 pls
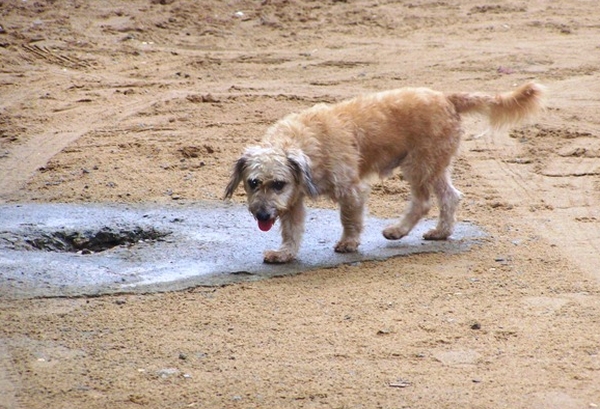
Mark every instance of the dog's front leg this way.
pixel 292 229
pixel 352 208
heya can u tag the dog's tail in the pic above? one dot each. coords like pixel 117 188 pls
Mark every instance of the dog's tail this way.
pixel 503 110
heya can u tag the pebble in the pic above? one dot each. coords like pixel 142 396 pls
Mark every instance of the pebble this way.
pixel 167 372
pixel 209 98
pixel 400 383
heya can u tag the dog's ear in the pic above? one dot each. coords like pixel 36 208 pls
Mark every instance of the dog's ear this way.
pixel 236 177
pixel 300 164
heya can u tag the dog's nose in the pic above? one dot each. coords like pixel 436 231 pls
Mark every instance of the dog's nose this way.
pixel 263 216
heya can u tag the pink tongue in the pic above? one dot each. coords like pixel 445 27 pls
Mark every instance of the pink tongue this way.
pixel 265 225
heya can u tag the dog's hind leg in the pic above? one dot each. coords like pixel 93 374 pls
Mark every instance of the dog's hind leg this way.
pixel 418 207
pixel 448 199
pixel 352 209
pixel 292 230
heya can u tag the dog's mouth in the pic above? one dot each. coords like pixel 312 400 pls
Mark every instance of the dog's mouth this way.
pixel 265 220
pixel 265 225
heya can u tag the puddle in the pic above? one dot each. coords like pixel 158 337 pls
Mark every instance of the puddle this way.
pixel 55 250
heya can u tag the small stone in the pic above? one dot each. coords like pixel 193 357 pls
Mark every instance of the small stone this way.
pixel 209 98
pixel 202 98
pixel 476 326
pixel 400 383
pixel 505 70
pixel 167 372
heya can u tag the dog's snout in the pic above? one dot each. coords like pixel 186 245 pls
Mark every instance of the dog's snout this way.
pixel 263 215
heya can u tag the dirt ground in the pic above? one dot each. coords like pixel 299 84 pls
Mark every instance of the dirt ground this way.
pixel 153 100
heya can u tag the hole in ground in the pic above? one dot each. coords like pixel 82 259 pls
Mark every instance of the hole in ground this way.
pixel 90 241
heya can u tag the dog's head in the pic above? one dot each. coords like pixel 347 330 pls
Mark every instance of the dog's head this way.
pixel 274 179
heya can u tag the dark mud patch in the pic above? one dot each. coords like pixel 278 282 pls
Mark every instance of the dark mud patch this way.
pixel 84 242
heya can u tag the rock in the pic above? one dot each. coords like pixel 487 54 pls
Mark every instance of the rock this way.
pixel 167 372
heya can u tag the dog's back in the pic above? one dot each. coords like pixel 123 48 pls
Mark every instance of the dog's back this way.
pixel 390 127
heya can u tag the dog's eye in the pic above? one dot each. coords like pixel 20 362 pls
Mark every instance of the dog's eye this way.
pixel 278 185
pixel 253 183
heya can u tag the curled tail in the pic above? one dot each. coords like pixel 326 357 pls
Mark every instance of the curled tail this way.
pixel 503 110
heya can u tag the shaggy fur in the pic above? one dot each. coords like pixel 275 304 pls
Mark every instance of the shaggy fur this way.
pixel 334 150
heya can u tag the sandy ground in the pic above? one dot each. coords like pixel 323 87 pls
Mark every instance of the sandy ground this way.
pixel 153 100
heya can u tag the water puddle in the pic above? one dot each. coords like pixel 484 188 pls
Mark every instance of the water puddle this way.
pixel 55 250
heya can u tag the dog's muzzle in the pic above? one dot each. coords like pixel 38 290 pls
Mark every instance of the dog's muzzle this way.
pixel 265 221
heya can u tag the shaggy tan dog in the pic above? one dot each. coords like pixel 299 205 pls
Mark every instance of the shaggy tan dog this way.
pixel 334 150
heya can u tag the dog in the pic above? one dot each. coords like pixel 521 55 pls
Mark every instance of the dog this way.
pixel 336 150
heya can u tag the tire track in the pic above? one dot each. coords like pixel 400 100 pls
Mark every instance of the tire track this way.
pixel 559 224
pixel 24 159
pixel 8 381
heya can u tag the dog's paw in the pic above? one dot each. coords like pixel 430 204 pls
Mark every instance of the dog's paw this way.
pixel 278 257
pixel 394 233
pixel 346 246
pixel 435 234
